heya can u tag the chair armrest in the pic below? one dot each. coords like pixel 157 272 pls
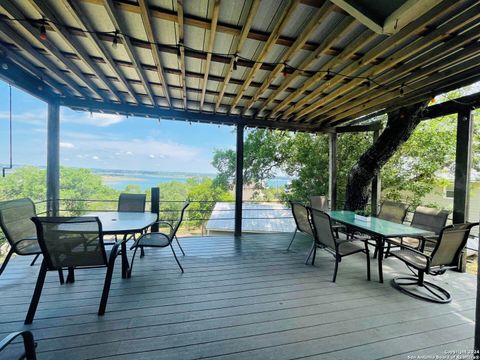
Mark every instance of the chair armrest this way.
pixel 165 222
pixel 28 342
pixel 114 252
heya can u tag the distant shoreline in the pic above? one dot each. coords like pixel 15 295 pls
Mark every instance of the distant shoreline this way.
pixel 117 178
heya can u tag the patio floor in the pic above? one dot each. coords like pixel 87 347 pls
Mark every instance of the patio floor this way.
pixel 238 299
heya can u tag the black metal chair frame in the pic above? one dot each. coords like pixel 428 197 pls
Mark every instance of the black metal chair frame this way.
pixel 335 252
pixel 438 294
pixel 168 237
pixel 48 266
pixel 28 343
pixel 297 227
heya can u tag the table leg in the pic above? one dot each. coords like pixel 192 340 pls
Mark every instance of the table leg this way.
pixel 380 244
pixel 125 264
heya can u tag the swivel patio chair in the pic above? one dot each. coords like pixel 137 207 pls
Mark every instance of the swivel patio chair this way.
pixel 445 255
pixel 159 239
pixel 72 243
pixel 28 344
pixel 302 222
pixel 324 238
pixel 18 229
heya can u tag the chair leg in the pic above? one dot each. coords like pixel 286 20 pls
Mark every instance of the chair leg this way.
pixel 36 294
pixel 291 241
pixel 367 252
pixel 180 246
pixel 142 252
pixel 34 259
pixel 106 289
pixel 175 255
pixel 314 253
pixel 129 275
pixel 60 277
pixel 337 260
pixel 7 258
pixel 71 275
pixel 309 253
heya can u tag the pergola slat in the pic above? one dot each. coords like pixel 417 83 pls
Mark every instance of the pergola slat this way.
pixel 182 52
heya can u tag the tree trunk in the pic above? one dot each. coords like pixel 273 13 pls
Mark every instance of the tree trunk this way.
pixel 400 125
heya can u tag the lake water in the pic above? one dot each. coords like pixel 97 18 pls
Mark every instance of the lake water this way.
pixel 119 182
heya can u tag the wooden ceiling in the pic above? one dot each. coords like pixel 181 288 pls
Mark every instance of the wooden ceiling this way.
pixel 292 64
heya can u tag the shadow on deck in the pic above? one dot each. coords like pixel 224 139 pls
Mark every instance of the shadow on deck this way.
pixel 238 299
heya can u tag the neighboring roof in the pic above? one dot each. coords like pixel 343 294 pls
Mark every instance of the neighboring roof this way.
pixel 303 64
pixel 265 217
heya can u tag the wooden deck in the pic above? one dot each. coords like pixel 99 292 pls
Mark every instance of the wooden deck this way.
pixel 238 299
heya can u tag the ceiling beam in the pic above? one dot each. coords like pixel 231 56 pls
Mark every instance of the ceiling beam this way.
pixel 452 106
pixel 145 13
pixel 76 11
pixel 286 14
pixel 211 42
pixel 112 14
pixel 360 15
pixel 238 48
pixel 181 41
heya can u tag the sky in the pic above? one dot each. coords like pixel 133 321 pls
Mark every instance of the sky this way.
pixel 108 141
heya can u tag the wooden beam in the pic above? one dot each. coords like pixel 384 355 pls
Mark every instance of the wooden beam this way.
pixel 76 11
pixel 452 106
pixel 112 14
pixel 281 23
pixel 360 15
pixel 13 11
pixel 332 170
pixel 239 181
pixel 211 42
pixel 145 12
pixel 341 30
pixel 468 17
pixel 181 41
pixel 307 30
pixel 74 44
pixel 375 127
pixel 241 40
pixel 53 159
pixel 407 13
pixel 376 185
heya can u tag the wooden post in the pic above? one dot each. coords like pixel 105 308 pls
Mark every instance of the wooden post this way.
pixel 53 159
pixel 155 205
pixel 239 181
pixel 376 185
pixel 332 170
pixel 463 158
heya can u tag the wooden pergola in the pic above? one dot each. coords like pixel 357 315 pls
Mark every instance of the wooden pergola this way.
pixel 302 65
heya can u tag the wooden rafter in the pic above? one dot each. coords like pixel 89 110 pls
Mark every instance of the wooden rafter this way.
pixel 112 13
pixel 241 40
pixel 468 18
pixel 286 15
pixel 349 50
pixel 48 13
pixel 11 9
pixel 77 13
pixel 181 39
pixel 155 52
pixel 320 15
pixel 213 30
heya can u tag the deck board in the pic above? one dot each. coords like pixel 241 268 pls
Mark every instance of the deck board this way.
pixel 238 299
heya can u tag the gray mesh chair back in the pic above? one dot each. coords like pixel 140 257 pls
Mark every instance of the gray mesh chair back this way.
pixel 178 222
pixel 323 229
pixel 450 244
pixel 300 215
pixel 319 202
pixel 71 241
pixel 429 219
pixel 393 211
pixel 131 202
pixel 18 229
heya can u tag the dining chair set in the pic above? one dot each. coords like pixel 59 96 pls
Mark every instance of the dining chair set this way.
pixel 431 254
pixel 74 243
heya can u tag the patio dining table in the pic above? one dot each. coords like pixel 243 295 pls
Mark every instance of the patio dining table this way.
pixel 124 223
pixel 379 229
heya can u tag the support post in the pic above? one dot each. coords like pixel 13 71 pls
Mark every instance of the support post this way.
pixel 53 159
pixel 463 158
pixel 239 181
pixel 376 185
pixel 155 205
pixel 332 170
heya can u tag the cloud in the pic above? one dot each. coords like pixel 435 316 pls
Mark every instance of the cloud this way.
pixel 95 157
pixel 66 145
pixel 95 119
pixel 37 117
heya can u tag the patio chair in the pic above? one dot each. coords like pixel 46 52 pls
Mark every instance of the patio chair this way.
pixel 302 222
pixel 445 255
pixel 131 202
pixel 19 230
pixel 28 344
pixel 320 202
pixel 324 238
pixel 72 243
pixel 159 239
pixel 425 218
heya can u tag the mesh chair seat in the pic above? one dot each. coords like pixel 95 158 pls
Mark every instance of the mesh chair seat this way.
pixel 27 247
pixel 153 240
pixel 348 247
pixel 411 258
